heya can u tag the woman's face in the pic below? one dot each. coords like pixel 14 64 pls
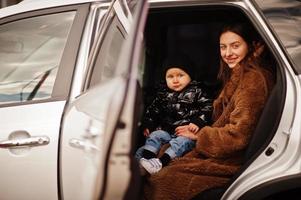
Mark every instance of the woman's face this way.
pixel 233 48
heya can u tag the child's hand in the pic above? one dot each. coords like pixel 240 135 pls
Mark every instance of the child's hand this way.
pixel 146 132
pixel 193 128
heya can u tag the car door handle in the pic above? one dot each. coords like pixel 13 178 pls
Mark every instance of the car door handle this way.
pixel 25 142
pixel 80 144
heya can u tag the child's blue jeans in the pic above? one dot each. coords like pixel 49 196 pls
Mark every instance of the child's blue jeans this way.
pixel 178 144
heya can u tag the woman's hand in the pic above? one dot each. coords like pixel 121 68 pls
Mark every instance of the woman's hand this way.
pixel 184 131
pixel 146 132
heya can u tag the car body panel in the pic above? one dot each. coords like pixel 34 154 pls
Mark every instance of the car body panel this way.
pixel 31 172
pixel 24 169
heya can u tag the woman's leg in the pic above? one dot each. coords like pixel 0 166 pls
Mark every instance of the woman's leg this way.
pixel 195 175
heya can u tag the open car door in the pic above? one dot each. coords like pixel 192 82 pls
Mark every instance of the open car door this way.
pixel 95 153
pixel 118 176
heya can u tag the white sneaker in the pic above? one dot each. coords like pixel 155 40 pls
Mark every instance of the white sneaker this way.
pixel 152 165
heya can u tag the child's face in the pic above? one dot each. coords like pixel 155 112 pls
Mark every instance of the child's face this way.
pixel 177 79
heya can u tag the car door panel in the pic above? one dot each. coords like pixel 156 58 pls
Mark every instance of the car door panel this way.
pixel 93 120
pixel 30 170
pixel 33 96
pixel 85 137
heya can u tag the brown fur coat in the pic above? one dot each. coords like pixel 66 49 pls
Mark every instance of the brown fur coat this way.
pixel 219 148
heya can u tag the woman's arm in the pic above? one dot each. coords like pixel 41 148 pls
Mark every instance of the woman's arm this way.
pixel 234 135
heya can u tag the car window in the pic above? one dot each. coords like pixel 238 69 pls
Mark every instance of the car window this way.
pixel 108 54
pixel 30 53
pixel 285 18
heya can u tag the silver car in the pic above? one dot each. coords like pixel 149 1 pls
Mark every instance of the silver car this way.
pixel 71 112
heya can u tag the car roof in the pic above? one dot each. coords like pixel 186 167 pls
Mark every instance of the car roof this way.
pixel 29 5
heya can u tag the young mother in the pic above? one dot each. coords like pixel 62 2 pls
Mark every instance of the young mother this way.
pixel 219 148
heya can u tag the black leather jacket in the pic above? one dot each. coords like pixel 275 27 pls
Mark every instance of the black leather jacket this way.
pixel 171 109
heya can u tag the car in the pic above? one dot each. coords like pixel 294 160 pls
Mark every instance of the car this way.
pixel 103 124
pixel 71 132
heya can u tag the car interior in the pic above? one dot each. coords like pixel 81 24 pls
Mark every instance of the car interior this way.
pixel 194 31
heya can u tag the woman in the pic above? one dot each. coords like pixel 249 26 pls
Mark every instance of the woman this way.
pixel 220 148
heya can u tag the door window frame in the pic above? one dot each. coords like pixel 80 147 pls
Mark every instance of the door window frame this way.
pixel 114 24
pixel 111 16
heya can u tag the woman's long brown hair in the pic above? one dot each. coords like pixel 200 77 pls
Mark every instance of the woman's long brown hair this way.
pixel 250 62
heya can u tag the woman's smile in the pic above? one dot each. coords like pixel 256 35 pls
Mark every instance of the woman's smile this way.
pixel 231 60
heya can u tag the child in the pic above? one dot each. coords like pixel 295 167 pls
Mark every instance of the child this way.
pixel 181 101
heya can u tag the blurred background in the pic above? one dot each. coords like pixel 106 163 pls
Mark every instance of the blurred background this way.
pixel 5 3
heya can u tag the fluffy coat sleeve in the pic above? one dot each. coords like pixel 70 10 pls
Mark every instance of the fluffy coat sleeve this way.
pixel 230 133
